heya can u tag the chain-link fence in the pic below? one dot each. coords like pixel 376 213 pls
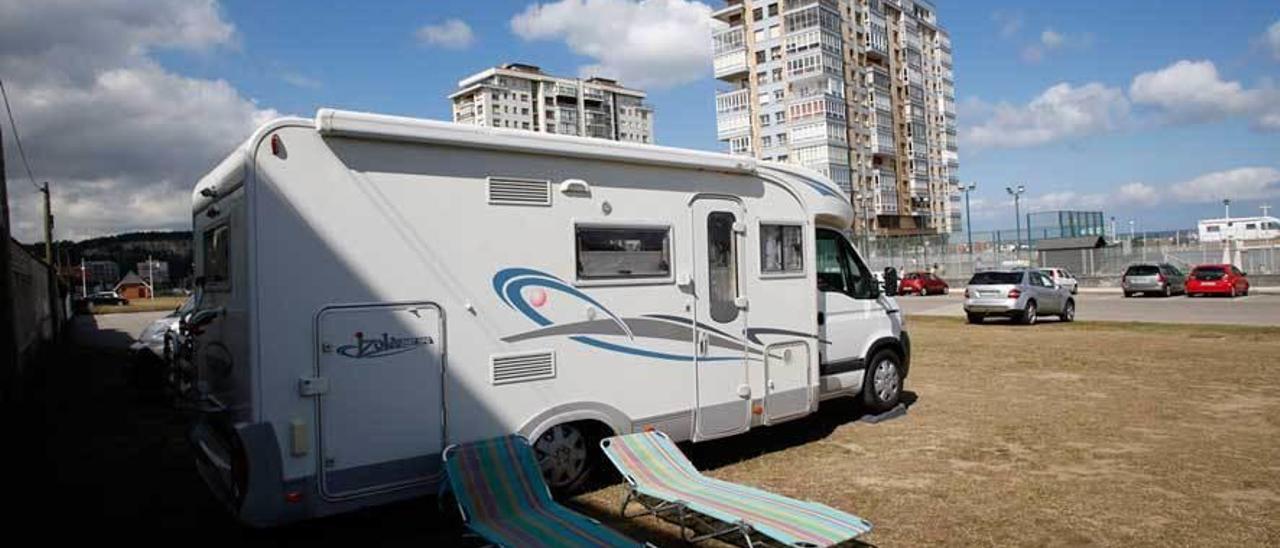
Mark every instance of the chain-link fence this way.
pixel 950 256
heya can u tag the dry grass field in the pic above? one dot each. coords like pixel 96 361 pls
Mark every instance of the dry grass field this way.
pixel 1059 434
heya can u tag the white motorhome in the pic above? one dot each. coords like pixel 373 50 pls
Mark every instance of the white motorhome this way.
pixel 376 287
pixel 1239 229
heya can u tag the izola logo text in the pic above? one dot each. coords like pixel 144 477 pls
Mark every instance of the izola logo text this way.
pixel 381 346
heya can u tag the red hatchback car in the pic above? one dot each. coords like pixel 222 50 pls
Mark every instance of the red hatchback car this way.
pixel 922 283
pixel 1217 279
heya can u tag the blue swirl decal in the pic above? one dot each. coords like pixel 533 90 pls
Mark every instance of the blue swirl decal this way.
pixel 509 285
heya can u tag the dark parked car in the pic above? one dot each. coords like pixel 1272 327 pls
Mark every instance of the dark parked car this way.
pixel 106 297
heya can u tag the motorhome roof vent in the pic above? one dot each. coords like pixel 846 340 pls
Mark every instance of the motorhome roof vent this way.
pixel 513 368
pixel 519 192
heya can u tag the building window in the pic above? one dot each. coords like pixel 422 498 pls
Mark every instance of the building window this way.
pixel 623 252
pixel 773 9
pixel 781 249
pixel 757 14
pixel 766 141
pixel 722 266
pixel 760 56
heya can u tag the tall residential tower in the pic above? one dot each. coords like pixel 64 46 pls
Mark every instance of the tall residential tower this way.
pixel 860 90
pixel 523 97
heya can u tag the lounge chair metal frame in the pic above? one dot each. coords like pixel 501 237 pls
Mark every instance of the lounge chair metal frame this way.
pixel 667 502
pixel 688 533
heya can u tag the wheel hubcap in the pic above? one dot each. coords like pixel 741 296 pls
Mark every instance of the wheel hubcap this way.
pixel 886 380
pixel 1031 314
pixel 562 455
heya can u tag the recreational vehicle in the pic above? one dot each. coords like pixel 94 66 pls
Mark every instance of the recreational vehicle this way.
pixel 374 288
pixel 1239 229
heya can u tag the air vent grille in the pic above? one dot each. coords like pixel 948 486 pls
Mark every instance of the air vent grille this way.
pixel 513 368
pixel 519 192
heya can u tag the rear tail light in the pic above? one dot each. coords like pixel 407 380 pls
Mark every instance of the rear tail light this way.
pixel 1014 293
pixel 1160 278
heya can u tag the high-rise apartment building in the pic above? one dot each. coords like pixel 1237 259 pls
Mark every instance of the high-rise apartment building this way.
pixel 523 97
pixel 860 90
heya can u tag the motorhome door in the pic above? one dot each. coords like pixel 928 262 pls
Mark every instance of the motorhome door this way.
pixel 379 385
pixel 723 390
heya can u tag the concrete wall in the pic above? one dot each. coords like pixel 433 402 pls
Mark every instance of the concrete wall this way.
pixel 33 320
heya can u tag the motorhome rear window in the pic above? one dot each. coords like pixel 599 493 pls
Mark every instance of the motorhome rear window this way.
pixel 781 249
pixel 623 252
pixel 217 256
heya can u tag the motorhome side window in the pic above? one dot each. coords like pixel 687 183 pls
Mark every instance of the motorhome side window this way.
pixel 217 257
pixel 781 249
pixel 722 267
pixel 623 252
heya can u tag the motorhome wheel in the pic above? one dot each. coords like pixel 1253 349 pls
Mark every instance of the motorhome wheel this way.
pixel 562 455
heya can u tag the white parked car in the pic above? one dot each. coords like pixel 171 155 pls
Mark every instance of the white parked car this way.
pixel 151 342
pixel 1062 277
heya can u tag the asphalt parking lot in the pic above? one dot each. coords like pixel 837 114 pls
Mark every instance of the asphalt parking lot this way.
pixel 1093 305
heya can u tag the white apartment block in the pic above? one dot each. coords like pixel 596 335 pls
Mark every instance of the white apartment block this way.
pixel 521 96
pixel 860 90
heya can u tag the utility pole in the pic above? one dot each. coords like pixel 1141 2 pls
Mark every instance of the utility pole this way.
pixel 1266 210
pixel 84 280
pixel 151 280
pixel 8 343
pixel 50 278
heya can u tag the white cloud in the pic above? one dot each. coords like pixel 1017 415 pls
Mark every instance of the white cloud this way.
pixel 1061 112
pixel 1271 40
pixel 301 80
pixel 1246 183
pixel 448 34
pixel 1052 39
pixel 644 44
pixel 1138 194
pixel 121 139
pixel 1009 22
pixel 1192 91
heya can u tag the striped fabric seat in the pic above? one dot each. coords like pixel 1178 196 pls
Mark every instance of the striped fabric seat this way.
pixel 504 499
pixel 655 469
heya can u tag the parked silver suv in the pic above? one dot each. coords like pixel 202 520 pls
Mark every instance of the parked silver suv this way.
pixel 1021 295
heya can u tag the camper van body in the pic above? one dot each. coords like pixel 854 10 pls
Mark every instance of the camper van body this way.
pixel 1239 229
pixel 376 287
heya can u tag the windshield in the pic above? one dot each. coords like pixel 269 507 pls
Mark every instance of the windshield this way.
pixel 1142 270
pixel 996 278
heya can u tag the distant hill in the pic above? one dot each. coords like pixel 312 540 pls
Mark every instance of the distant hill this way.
pixel 127 250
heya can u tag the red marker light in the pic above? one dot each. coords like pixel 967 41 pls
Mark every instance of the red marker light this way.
pixel 293 497
pixel 277 147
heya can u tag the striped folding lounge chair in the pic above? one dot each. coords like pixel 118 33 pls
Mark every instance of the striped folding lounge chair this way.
pixel 503 498
pixel 662 480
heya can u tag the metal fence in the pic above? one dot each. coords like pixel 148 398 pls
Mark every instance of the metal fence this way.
pixel 949 255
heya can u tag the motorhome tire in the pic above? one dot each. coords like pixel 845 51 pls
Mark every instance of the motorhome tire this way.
pixel 565 454
pixel 883 384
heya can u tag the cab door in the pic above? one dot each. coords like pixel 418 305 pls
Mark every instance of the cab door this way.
pixel 723 405
pixel 849 312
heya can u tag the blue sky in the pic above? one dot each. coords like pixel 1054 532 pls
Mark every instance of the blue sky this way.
pixel 1146 109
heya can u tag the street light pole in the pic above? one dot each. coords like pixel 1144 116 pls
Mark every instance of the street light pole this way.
pixel 968 220
pixel 1017 217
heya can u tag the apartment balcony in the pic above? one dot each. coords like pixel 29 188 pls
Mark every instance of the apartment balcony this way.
pixel 567 90
pixel 730 49
pixel 726 13
pixel 592 94
pixel 733 114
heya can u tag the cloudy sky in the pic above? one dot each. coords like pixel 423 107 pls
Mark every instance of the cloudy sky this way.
pixel 1150 110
